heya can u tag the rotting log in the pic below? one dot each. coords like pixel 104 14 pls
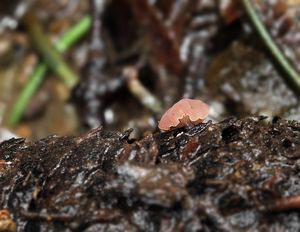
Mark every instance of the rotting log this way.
pixel 228 176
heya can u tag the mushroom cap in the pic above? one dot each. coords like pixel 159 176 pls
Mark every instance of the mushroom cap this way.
pixel 182 113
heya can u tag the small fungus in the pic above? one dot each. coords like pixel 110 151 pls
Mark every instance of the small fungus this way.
pixel 183 113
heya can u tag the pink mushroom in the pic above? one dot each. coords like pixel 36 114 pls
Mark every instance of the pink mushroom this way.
pixel 183 113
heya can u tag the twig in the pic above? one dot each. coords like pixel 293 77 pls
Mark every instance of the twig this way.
pixel 291 74
pixel 101 215
pixel 284 204
pixel 138 90
pixel 63 44
pixel 292 202
pixel 39 216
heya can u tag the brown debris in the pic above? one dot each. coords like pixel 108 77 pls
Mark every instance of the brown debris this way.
pixel 6 223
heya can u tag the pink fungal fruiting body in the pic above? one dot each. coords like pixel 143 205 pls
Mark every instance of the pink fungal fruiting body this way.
pixel 183 113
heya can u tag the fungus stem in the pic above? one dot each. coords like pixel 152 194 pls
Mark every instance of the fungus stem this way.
pixel 291 74
pixel 63 44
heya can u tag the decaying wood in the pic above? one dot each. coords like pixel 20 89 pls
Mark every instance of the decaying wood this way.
pixel 229 176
